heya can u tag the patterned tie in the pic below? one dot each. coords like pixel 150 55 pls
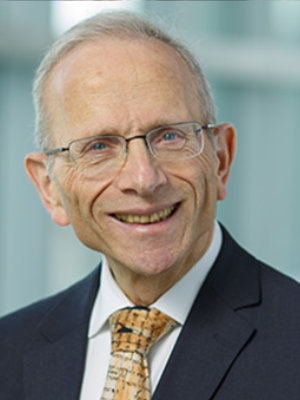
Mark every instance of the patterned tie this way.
pixel 134 331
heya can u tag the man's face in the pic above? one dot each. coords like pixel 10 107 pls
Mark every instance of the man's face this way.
pixel 128 87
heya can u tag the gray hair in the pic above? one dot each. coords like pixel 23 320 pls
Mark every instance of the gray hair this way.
pixel 118 24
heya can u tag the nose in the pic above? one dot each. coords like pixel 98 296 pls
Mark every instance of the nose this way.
pixel 141 173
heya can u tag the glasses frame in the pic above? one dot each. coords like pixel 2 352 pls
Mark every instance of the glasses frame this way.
pixel 198 129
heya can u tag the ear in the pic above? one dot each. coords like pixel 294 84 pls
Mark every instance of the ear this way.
pixel 225 143
pixel 36 167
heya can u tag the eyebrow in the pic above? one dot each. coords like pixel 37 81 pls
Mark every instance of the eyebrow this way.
pixel 111 131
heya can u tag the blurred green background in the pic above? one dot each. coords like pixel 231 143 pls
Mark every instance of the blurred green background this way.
pixel 250 51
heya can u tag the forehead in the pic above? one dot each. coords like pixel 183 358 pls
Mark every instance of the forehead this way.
pixel 117 81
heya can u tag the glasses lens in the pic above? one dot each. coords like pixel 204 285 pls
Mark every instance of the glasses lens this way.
pixel 102 154
pixel 176 142
pixel 98 154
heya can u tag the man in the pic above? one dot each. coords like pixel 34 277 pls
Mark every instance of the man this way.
pixel 132 157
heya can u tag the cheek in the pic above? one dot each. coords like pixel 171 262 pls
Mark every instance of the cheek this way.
pixel 79 194
pixel 203 195
pixel 88 198
pixel 207 191
pixel 199 179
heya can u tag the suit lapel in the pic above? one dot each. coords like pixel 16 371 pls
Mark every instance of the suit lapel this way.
pixel 214 334
pixel 54 362
pixel 206 348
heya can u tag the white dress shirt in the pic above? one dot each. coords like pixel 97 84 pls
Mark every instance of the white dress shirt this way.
pixel 176 303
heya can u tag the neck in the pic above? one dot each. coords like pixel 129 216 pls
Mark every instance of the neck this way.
pixel 143 290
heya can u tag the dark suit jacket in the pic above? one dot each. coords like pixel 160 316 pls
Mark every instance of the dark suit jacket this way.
pixel 240 341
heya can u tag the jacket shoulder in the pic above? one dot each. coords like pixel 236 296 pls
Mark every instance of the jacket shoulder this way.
pixel 243 280
pixel 17 328
pixel 280 292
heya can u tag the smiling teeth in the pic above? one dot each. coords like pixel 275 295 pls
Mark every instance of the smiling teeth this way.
pixel 146 219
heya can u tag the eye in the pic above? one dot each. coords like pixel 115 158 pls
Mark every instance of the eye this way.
pixel 93 146
pixel 98 146
pixel 101 145
pixel 169 136
pixel 168 140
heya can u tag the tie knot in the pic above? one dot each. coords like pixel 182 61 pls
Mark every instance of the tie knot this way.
pixel 137 329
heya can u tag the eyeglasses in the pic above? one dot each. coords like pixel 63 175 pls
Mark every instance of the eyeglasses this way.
pixel 104 153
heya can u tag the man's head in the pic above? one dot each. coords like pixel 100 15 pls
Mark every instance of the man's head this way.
pixel 152 217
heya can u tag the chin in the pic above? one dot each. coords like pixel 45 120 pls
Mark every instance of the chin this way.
pixel 151 264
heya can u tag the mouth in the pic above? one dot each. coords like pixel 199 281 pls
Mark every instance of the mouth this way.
pixel 147 218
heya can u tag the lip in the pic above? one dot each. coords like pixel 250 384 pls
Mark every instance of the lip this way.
pixel 151 228
pixel 146 211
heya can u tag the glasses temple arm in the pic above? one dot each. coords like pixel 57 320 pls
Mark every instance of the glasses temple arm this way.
pixel 52 151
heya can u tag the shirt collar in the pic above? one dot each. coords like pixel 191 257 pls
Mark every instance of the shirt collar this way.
pixel 176 302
